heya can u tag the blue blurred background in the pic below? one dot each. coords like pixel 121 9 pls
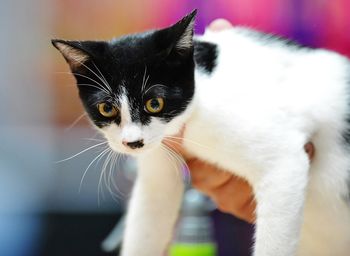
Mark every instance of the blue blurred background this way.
pixel 42 120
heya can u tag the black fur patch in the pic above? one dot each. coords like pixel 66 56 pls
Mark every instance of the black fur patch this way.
pixel 205 55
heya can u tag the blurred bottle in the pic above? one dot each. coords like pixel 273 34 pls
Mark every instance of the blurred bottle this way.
pixel 194 233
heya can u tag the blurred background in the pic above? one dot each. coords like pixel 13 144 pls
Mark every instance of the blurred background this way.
pixel 47 208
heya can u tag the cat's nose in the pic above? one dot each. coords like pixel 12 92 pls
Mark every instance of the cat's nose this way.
pixel 133 144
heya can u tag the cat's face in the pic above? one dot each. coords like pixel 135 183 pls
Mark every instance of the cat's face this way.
pixel 138 88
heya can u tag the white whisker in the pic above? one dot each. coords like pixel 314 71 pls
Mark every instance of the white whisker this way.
pixel 187 140
pixel 171 158
pixel 118 194
pixel 182 162
pixel 155 85
pixel 119 159
pixel 92 139
pixel 105 164
pixel 74 122
pixel 143 80
pixel 87 77
pixel 104 79
pixel 77 154
pixel 97 87
pixel 98 156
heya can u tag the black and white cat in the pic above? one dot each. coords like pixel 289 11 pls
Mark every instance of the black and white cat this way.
pixel 250 102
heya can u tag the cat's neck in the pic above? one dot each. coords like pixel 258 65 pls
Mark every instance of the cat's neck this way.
pixel 179 122
pixel 205 56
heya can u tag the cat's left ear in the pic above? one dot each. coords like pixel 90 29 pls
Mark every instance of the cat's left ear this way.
pixel 79 53
pixel 72 52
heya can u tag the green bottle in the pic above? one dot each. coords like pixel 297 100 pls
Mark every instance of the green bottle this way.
pixel 194 233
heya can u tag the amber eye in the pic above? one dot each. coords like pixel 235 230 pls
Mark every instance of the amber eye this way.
pixel 154 105
pixel 107 109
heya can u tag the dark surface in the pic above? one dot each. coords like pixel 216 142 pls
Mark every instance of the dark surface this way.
pixel 82 234
pixel 76 234
pixel 233 236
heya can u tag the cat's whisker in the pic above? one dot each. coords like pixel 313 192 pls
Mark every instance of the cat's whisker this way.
pixel 92 139
pixel 188 140
pixel 81 152
pixel 172 141
pixel 104 79
pixel 173 161
pixel 87 77
pixel 118 194
pixel 119 159
pixel 145 85
pixel 143 80
pixel 107 178
pixel 181 162
pixel 74 122
pixel 155 85
pixel 104 166
pixel 107 174
pixel 86 170
pixel 94 86
pixel 179 157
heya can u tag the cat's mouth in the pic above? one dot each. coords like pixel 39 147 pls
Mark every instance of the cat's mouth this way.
pixel 133 147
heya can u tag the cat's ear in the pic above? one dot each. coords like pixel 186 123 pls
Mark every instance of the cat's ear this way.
pixel 184 28
pixel 177 38
pixel 73 51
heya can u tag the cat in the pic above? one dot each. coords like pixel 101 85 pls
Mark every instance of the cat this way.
pixel 249 103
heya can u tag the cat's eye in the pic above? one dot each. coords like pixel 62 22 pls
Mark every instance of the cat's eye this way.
pixel 154 105
pixel 107 109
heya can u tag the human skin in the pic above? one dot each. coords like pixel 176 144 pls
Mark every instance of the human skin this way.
pixel 231 193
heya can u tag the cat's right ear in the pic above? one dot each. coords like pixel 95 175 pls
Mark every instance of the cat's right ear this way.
pixel 178 38
pixel 73 52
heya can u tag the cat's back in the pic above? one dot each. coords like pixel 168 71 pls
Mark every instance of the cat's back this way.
pixel 259 72
pixel 263 89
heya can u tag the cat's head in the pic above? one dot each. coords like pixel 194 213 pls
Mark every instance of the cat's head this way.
pixel 137 88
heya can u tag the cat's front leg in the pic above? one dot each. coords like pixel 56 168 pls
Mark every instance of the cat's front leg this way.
pixel 280 195
pixel 154 205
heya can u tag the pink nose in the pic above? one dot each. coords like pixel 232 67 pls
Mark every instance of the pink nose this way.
pixel 133 144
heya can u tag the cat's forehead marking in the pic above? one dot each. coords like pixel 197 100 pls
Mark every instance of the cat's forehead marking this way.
pixel 124 108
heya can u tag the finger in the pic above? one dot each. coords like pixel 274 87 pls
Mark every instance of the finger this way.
pixel 231 193
pixel 206 177
pixel 219 24
pixel 244 211
pixel 236 197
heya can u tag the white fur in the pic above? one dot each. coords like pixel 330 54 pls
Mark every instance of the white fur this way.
pixel 252 116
